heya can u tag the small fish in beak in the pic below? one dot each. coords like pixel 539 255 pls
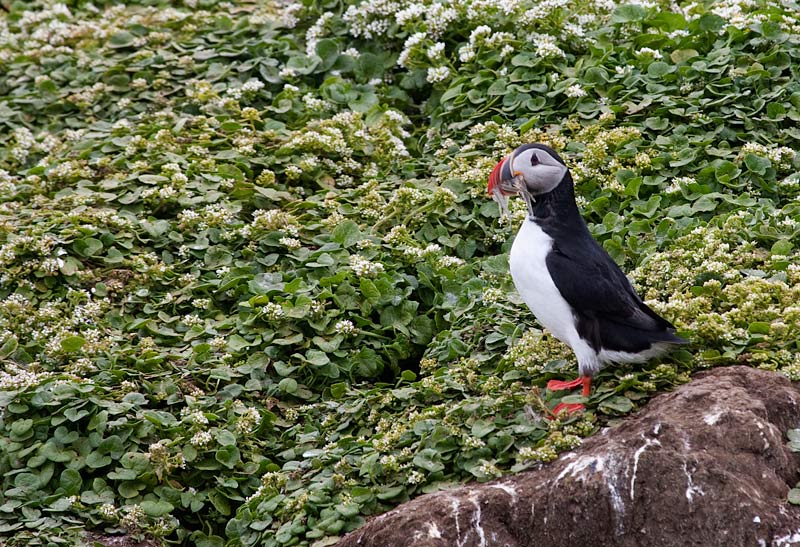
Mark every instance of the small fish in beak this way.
pixel 497 188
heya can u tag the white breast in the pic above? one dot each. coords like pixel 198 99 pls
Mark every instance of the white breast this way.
pixel 527 262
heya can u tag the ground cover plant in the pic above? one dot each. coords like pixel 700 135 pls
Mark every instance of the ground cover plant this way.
pixel 252 288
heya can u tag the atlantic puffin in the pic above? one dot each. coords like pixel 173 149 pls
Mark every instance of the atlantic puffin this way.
pixel 572 286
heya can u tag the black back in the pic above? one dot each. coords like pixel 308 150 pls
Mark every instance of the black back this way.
pixel 609 312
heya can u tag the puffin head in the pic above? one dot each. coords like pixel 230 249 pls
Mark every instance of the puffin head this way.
pixel 530 170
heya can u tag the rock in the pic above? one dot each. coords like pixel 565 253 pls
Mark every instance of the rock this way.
pixel 704 465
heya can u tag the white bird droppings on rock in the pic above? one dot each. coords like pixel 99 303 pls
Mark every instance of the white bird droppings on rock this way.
pixel 637 455
pixel 433 531
pixel 713 417
pixel 691 487
pixel 788 539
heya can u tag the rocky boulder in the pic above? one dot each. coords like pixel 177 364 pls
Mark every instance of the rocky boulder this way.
pixel 704 465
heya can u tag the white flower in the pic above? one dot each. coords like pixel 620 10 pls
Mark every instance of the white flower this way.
pixel 411 12
pixel 478 33
pixel 201 438
pixel 466 53
pixel 273 311
pixel 575 91
pixel 345 326
pixel 108 511
pixel 290 243
pixel 648 52
pixel 436 51
pixel 198 417
pixel 192 320
pixel 364 268
pixel 546 46
pixel 450 261
pixel 415 477
pixel 412 41
pixel 438 74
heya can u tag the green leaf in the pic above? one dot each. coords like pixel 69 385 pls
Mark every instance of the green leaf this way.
pixel 782 247
pixel 757 164
pixel 70 481
pixel 726 172
pixel 225 437
pixel 88 246
pixel 481 428
pixel 616 405
pixel 121 39
pixel 632 187
pixel 328 51
pixel 709 23
pixel 156 508
pixel 408 376
pixel 121 474
pixel 96 460
pixel 704 204
pixel 317 358
pixel 794 496
pixel 656 124
pixel 347 233
pixel 683 55
pixel 776 111
pixel 429 459
pixel 499 87
pixel 338 390
pixel 288 385
pixel 452 93
pixel 595 75
pixel 628 13
pixel 369 291
pixel 20 427
pixel 391 492
pixel 220 502
pixel 668 21
pixel 659 69
pixel 758 327
pixel 228 456
pixel 72 344
pixel 9 346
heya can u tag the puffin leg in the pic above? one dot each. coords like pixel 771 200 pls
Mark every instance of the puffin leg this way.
pixel 560 385
pixel 587 385
pixel 569 407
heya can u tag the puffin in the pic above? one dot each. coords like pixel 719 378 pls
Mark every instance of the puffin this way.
pixel 569 282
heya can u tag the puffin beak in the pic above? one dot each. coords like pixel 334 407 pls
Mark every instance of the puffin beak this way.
pixel 500 174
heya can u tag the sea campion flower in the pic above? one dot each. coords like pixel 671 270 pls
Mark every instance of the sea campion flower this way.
pixel 436 50
pixel 201 438
pixel 345 327
pixel 364 268
pixel 273 311
pixel 648 52
pixel 450 262
pixel 134 518
pixel 575 91
pixel 290 243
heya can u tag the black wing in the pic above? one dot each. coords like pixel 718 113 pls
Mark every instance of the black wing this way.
pixel 610 314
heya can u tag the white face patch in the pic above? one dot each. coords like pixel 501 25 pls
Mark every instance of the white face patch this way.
pixel 540 171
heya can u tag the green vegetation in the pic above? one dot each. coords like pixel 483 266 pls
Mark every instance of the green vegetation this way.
pixel 252 287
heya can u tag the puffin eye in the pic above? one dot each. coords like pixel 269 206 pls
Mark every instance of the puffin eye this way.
pixel 534 159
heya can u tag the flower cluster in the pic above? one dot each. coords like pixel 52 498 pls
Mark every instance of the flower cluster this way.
pixel 365 268
pixel 781 157
pixel 534 350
